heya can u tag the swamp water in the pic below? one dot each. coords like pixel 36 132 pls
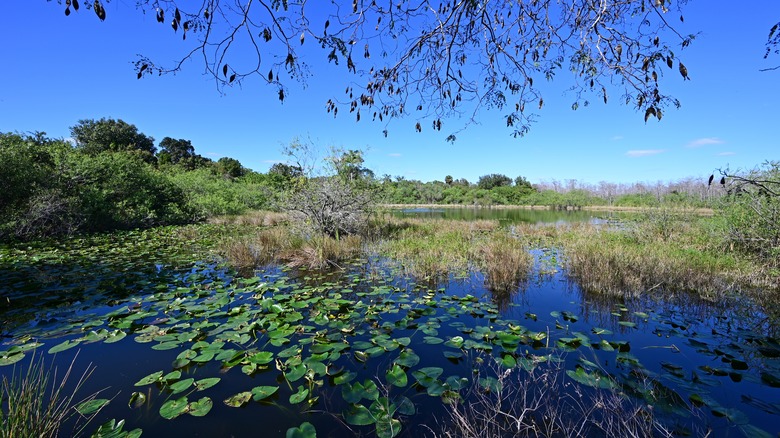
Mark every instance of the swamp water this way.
pixel 184 348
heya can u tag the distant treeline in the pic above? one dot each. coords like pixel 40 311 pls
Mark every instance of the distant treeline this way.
pixel 109 175
pixel 498 189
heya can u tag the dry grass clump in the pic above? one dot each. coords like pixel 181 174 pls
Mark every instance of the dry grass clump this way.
pixel 253 218
pixel 542 403
pixel 630 263
pixel 280 244
pixel 504 261
pixel 321 251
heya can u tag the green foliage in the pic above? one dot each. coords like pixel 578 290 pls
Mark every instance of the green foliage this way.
pixel 488 182
pixel 110 180
pixel 751 210
pixel 209 194
pixel 55 189
pixel 35 402
pixel 95 136
pixel 182 153
pixel 118 190
pixel 636 200
pixel 227 167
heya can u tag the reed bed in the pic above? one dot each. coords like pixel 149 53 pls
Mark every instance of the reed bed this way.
pixel 646 258
pixel 36 402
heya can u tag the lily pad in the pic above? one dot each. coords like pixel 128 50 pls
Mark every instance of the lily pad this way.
pixel 396 376
pixel 408 358
pixel 358 415
pixel 263 392
pixel 238 400
pixel 206 383
pixel 137 399
pixel 151 378
pixel 299 396
pixel 9 359
pixel 201 407
pixel 91 406
pixel 305 430
pixel 181 385
pixel 64 346
pixel 173 408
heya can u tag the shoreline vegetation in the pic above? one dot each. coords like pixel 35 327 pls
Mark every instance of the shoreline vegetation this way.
pixel 658 251
pixel 616 208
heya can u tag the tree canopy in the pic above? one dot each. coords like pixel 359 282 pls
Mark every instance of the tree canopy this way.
pixel 433 60
pixel 95 136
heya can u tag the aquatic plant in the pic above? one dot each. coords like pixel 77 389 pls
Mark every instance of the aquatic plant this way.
pixel 37 403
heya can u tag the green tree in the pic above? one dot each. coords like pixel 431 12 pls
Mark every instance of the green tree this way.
pixel 751 209
pixel 176 150
pixel 487 182
pixel 446 57
pixel 348 165
pixel 448 180
pixel 96 136
pixel 229 167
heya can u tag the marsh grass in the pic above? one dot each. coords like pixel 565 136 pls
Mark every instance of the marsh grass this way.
pixel 36 402
pixel 321 251
pixel 544 403
pixel 673 255
pixel 504 261
pixel 431 248
pixel 258 218
pixel 281 245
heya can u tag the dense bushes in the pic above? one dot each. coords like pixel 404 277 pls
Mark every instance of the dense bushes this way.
pixel 751 211
pixel 52 188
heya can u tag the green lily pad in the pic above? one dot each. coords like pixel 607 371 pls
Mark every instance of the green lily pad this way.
pixel 115 336
pixel 206 383
pixel 299 396
pixel 201 407
pixel 181 385
pixel 263 392
pixel 151 378
pixel 238 400
pixel 594 379
pixel 305 430
pixel 137 399
pixel 9 359
pixel 358 415
pixel 396 376
pixel 408 358
pixel 173 408
pixel 261 358
pixel 115 429
pixel 91 406
pixel 64 346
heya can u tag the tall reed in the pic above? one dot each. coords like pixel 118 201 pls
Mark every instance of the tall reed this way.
pixel 37 402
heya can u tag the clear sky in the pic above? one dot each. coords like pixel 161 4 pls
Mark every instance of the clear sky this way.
pixel 57 70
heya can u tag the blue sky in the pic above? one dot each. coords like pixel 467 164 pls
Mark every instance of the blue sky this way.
pixel 57 70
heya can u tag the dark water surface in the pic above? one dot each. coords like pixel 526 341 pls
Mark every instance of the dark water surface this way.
pixel 705 366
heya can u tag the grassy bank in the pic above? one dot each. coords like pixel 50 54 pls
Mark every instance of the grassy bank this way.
pixel 617 208
pixel 661 251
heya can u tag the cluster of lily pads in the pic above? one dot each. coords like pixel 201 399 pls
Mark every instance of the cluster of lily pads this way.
pixel 374 351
